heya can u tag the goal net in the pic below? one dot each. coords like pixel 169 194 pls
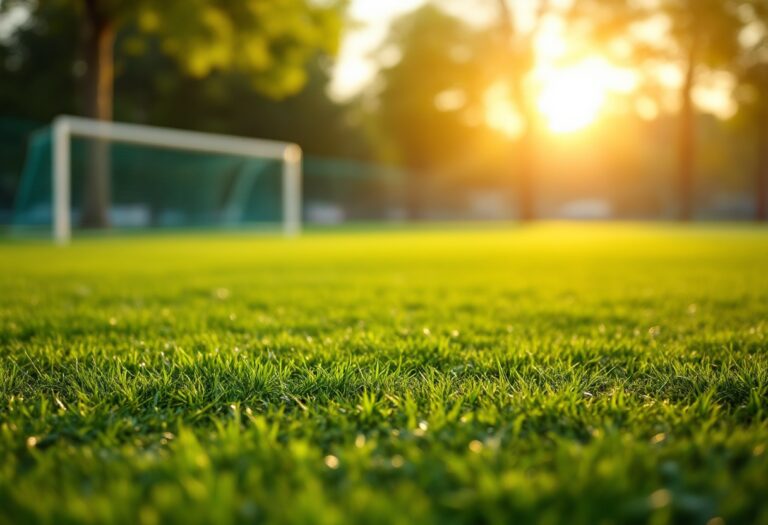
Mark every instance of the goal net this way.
pixel 154 177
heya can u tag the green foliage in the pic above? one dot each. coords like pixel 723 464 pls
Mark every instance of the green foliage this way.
pixel 584 374
pixel 705 32
pixel 38 59
pixel 430 111
pixel 270 41
pixel 753 71
pixel 43 56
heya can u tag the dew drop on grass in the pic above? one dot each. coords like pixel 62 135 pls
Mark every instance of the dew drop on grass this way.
pixel 332 462
pixel 475 446
pixel 660 498
pixel 397 461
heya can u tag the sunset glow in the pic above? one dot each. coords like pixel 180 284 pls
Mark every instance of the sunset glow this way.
pixel 571 98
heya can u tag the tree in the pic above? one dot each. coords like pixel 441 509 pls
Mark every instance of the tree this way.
pixel 423 97
pixel 754 77
pixel 706 32
pixel 36 60
pixel 153 89
pixel 428 115
pixel 270 41
pixel 703 35
pixel 518 57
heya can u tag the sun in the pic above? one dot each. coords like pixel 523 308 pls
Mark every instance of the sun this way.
pixel 568 97
pixel 570 92
pixel 571 98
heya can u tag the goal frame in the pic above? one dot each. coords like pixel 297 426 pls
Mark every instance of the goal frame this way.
pixel 65 127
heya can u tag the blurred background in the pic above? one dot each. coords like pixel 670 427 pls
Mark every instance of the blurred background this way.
pixel 407 110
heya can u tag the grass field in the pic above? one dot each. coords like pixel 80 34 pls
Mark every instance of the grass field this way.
pixel 551 374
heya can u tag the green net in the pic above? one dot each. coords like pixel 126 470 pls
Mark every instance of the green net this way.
pixel 154 187
pixel 14 134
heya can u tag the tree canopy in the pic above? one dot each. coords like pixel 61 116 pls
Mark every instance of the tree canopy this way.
pixel 270 41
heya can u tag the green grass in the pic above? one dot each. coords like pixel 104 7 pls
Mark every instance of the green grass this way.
pixel 550 374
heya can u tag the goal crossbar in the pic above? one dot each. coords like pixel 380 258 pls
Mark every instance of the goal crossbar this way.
pixel 65 127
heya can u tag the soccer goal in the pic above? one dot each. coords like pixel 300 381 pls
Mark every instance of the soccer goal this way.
pixel 229 164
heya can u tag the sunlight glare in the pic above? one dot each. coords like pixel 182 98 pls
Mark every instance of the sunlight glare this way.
pixel 572 97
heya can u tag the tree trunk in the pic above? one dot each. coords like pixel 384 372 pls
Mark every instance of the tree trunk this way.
pixel 416 194
pixel 761 173
pixel 527 168
pixel 686 141
pixel 527 154
pixel 526 164
pixel 100 42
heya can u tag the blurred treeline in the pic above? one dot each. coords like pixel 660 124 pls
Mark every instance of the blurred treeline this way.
pixel 428 108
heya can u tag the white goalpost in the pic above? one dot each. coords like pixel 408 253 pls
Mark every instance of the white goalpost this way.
pixel 65 127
